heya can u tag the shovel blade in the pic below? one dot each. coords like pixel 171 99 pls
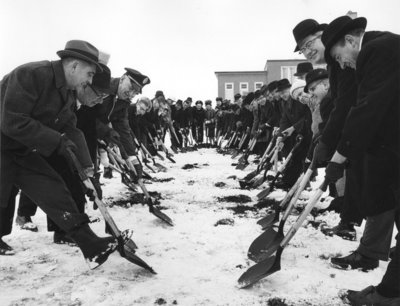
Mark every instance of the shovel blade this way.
pixel 250 176
pixel 265 245
pixel 261 270
pixel 257 181
pixel 270 219
pixel 242 166
pixel 129 254
pixel 264 193
pixel 159 214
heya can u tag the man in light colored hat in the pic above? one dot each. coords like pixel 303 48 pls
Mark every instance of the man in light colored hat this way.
pixel 38 127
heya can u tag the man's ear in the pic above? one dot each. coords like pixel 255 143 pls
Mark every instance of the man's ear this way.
pixel 74 64
pixel 350 39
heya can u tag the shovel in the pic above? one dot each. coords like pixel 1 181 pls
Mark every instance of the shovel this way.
pixel 272 263
pixel 126 246
pixel 269 240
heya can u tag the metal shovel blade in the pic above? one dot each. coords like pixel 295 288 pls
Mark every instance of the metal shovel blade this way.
pixel 261 270
pixel 129 254
pixel 270 219
pixel 265 245
pixel 264 193
pixel 159 214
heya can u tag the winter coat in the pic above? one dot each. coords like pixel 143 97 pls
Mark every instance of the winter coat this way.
pixel 199 115
pixel 36 108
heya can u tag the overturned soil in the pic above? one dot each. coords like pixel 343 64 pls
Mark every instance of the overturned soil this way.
pixel 137 198
pixel 240 198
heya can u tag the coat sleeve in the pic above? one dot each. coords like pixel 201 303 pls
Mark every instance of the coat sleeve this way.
pixel 377 74
pixel 344 97
pixel 20 94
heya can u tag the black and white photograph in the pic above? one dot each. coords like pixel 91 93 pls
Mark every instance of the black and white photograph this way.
pixel 200 152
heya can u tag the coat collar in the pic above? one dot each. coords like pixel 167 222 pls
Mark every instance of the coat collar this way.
pixel 59 74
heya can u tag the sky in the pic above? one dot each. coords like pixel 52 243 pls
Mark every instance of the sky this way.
pixel 178 44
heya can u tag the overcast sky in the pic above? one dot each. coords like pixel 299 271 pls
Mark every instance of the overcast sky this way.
pixel 179 44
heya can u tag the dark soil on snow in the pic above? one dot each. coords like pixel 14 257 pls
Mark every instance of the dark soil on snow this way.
pixel 241 198
pixel 277 302
pixel 226 221
pixel 190 166
pixel 243 209
pixel 162 180
pixel 220 184
pixel 137 198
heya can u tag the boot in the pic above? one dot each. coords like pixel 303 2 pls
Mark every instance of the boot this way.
pixel 5 249
pixel 343 230
pixel 355 261
pixel 63 238
pixel 107 172
pixel 26 223
pixel 95 249
pixel 369 296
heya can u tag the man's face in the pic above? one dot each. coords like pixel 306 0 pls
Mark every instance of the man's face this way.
pixel 141 108
pixel 219 103
pixel 178 106
pixel 82 74
pixel 276 94
pixel 318 90
pixel 127 90
pixel 198 106
pixel 208 106
pixel 285 94
pixel 262 100
pixel 89 96
pixel 313 49
pixel 345 54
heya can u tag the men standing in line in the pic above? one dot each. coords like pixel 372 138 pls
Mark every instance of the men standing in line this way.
pixel 37 126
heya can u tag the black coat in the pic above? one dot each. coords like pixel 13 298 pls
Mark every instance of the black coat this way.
pixel 372 130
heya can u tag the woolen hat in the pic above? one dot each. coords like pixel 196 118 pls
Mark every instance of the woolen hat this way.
pixel 237 96
pixel 83 50
pixel 188 99
pixel 306 28
pixel 136 77
pixel 298 84
pixel 283 84
pixel 337 29
pixel 207 102
pixel 263 89
pixel 159 93
pixel 199 102
pixel 315 75
pixel 218 99
pixel 303 68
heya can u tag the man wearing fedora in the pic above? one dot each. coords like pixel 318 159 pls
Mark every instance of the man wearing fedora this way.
pixel 295 120
pixel 114 110
pixel 302 69
pixel 38 127
pixel 371 134
pixel 343 92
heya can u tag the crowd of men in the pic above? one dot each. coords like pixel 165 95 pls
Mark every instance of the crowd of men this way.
pixel 346 109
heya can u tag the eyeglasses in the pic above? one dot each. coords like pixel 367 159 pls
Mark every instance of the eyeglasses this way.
pixel 309 44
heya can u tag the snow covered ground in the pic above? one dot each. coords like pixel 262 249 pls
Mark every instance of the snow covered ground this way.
pixel 197 263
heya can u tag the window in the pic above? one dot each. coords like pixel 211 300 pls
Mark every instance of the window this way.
pixel 287 72
pixel 257 85
pixel 244 88
pixel 229 86
pixel 229 91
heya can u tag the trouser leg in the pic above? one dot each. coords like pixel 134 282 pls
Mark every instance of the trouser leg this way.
pixel 377 236
pixel 26 206
pixel 7 214
pixel 390 284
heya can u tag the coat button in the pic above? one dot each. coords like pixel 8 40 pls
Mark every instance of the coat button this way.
pixel 34 150
pixel 55 121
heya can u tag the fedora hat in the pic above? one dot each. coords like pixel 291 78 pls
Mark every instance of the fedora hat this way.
pixel 337 29
pixel 83 50
pixel 305 28
pixel 101 80
pixel 137 78
pixel 283 84
pixel 315 75
pixel 303 68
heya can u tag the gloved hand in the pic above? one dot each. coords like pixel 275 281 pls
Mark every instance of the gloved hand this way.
pixel 63 150
pixel 112 137
pixel 334 171
pixel 322 153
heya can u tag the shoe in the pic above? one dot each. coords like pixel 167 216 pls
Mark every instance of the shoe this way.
pixel 62 238
pixel 107 172
pixel 369 296
pixel 355 261
pixel 105 246
pixel 279 184
pixel 26 223
pixel 5 249
pixel 343 230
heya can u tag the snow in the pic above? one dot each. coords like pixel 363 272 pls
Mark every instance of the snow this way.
pixel 197 263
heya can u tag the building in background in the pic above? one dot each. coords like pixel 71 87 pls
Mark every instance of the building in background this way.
pixel 232 82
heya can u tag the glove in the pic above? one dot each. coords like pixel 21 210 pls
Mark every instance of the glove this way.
pixel 239 124
pixel 63 149
pixel 112 137
pixel 334 171
pixel 322 153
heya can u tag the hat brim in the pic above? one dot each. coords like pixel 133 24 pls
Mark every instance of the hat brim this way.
pixel 283 87
pixel 321 27
pixel 357 23
pixel 68 53
pixel 317 78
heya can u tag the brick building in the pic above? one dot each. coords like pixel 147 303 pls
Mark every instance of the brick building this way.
pixel 232 82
